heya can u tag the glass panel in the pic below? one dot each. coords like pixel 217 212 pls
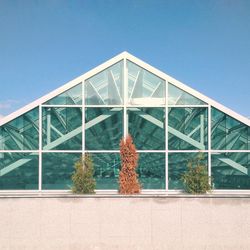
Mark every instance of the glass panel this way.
pixel 57 169
pixel 231 170
pixel 144 87
pixel 106 87
pixel 107 167
pixel 62 128
pixel 19 171
pixel 177 166
pixel 187 128
pixel 147 127
pixel 228 133
pixel 21 133
pixel 151 170
pixel 103 128
pixel 72 96
pixel 178 96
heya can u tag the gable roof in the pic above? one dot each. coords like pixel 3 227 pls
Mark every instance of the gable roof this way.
pixel 103 66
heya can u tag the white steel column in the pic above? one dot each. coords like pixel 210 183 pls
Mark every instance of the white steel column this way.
pixel 166 137
pixel 209 141
pixel 83 117
pixel 125 98
pixel 40 150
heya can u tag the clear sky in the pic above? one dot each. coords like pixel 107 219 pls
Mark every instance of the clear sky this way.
pixel 203 43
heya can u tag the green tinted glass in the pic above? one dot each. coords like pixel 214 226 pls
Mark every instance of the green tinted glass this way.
pixel 178 96
pixel 106 167
pixel 151 170
pixel 19 171
pixel 103 128
pixel 57 169
pixel 187 128
pixel 227 133
pixel 231 170
pixel 21 133
pixel 147 127
pixel 177 166
pixel 72 96
pixel 106 87
pixel 62 128
pixel 144 87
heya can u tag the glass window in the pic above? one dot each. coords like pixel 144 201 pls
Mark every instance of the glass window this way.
pixel 57 170
pixel 187 128
pixel 177 166
pixel 62 128
pixel 178 96
pixel 144 87
pixel 72 96
pixel 103 128
pixel 231 170
pixel 107 167
pixel 147 127
pixel 105 87
pixel 21 133
pixel 151 170
pixel 227 133
pixel 19 171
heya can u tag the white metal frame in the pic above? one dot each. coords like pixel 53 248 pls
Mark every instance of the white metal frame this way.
pixel 168 79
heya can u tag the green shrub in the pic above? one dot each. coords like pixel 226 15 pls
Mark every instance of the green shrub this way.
pixel 196 180
pixel 82 178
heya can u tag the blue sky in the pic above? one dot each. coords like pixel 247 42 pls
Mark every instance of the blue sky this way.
pixel 205 44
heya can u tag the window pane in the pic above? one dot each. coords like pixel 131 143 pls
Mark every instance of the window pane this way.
pixel 62 128
pixel 147 127
pixel 178 96
pixel 177 166
pixel 144 87
pixel 187 128
pixel 231 170
pixel 57 169
pixel 72 96
pixel 151 170
pixel 21 133
pixel 19 171
pixel 228 133
pixel 107 167
pixel 103 128
pixel 106 87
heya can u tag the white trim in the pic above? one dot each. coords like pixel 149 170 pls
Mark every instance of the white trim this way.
pixel 40 150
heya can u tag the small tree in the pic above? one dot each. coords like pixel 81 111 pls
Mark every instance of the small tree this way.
pixel 196 180
pixel 128 178
pixel 83 180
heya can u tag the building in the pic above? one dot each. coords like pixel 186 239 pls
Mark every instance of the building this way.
pixel 40 142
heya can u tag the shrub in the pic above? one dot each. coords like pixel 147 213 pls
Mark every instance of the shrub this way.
pixel 196 180
pixel 128 178
pixel 83 180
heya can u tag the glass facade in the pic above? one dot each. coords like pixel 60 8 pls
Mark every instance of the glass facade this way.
pixel 169 126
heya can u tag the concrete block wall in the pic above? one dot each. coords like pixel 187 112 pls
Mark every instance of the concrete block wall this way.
pixel 124 223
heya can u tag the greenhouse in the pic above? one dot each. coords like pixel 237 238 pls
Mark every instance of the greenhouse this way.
pixel 169 122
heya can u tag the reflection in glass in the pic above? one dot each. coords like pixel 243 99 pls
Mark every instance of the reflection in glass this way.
pixel 144 87
pixel 228 133
pixel 187 128
pixel 107 167
pixel 105 87
pixel 177 165
pixel 62 128
pixel 19 171
pixel 151 170
pixel 178 96
pixel 147 127
pixel 72 96
pixel 103 128
pixel 231 170
pixel 21 133
pixel 57 169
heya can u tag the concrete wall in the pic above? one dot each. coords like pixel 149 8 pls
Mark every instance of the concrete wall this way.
pixel 124 223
